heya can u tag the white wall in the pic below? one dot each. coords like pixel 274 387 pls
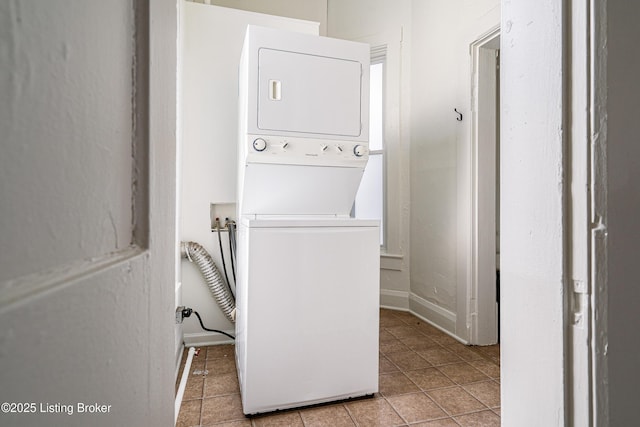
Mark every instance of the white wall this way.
pixel 387 23
pixel 440 155
pixel 532 217
pixel 58 204
pixel 212 43
pixel 86 273
pixel 309 10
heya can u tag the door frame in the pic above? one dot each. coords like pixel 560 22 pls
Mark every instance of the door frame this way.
pixel 482 306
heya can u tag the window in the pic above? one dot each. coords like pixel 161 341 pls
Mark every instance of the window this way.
pixel 370 200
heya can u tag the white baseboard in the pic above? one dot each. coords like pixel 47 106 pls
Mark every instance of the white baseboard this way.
pixel 427 311
pixel 207 338
pixel 435 315
pixel 394 300
pixel 179 360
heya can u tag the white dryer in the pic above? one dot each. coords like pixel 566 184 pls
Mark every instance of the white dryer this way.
pixel 308 274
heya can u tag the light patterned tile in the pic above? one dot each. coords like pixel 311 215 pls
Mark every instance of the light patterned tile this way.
pixel 462 373
pixel 221 385
pixel 487 392
pixel 464 352
pixel 386 336
pixel 428 379
pixel 390 321
pixel 221 409
pixel 374 413
pixel 479 419
pixel 218 351
pixel 237 423
pixel 444 422
pixel 420 343
pixel 189 413
pixel 405 331
pixel 416 407
pixel 385 366
pixel 327 416
pixel 220 366
pixel 287 419
pixel 444 339
pixel 430 330
pixel 489 368
pixel 439 356
pixel 385 313
pixel 394 346
pixel 406 316
pixel 455 400
pixel 396 383
pixel 193 389
pixel 408 361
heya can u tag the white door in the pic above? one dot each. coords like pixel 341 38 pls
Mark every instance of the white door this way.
pixel 86 273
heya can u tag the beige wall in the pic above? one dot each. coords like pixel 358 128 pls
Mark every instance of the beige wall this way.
pixel 533 262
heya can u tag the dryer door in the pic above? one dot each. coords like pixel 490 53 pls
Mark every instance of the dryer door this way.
pixel 309 93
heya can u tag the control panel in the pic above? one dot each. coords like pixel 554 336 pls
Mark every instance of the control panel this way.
pixel 305 151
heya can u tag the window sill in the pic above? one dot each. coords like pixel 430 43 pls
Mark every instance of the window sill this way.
pixel 391 262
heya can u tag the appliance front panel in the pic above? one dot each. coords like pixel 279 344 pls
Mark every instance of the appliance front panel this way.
pixel 311 325
pixel 308 93
pixel 299 190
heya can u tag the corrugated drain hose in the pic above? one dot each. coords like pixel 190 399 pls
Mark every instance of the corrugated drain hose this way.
pixel 195 253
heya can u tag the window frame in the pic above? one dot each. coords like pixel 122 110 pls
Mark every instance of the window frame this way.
pixel 396 155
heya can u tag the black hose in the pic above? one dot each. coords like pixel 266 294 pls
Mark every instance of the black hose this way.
pixel 231 227
pixel 224 264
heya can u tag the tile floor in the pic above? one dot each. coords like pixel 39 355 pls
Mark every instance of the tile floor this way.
pixel 426 379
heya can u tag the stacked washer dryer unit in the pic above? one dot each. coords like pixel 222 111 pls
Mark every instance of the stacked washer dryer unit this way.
pixel 308 274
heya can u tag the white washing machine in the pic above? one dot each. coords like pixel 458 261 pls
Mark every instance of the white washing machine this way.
pixel 307 313
pixel 308 288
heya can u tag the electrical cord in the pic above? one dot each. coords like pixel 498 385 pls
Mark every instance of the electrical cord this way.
pixel 224 264
pixel 186 312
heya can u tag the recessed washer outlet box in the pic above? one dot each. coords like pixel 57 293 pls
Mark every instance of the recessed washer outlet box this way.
pixel 222 211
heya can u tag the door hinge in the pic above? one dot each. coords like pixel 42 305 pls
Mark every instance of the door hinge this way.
pixel 579 303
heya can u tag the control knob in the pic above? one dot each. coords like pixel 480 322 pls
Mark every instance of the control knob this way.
pixel 259 144
pixel 359 150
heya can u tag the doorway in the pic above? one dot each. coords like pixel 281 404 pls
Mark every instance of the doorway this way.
pixel 483 299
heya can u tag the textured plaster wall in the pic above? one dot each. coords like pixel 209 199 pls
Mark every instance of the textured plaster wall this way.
pixel 86 274
pixel 440 152
pixel 65 99
pixel 532 245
